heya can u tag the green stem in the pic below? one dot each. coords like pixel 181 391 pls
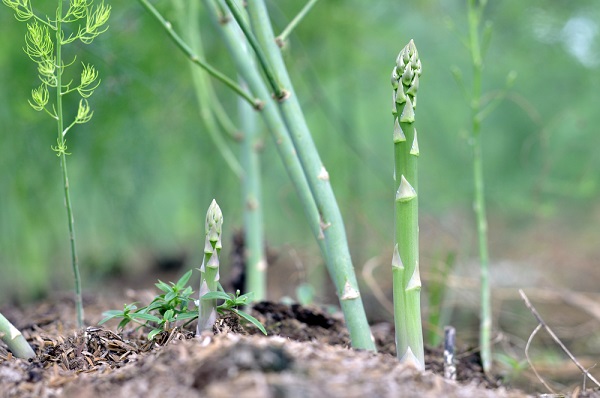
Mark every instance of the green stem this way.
pixel 15 341
pixel 63 162
pixel 281 39
pixel 332 226
pixel 188 18
pixel 255 102
pixel 244 64
pixel 260 55
pixel 256 261
pixel 479 206
pixel 405 263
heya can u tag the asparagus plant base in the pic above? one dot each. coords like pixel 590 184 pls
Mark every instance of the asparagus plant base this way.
pixel 307 357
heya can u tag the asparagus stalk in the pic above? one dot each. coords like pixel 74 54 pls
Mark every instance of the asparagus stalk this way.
pixel 15 341
pixel 474 13
pixel 283 142
pixel 209 272
pixel 256 262
pixel 332 227
pixel 405 262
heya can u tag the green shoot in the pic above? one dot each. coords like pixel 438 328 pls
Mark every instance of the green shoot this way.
pixel 474 17
pixel 15 341
pixel 44 42
pixel 405 262
pixel 209 272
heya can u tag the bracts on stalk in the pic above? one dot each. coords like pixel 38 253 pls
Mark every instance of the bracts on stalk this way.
pixel 209 272
pixel 405 262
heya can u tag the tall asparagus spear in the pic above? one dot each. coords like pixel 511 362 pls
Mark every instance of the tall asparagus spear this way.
pixel 405 262
pixel 209 272
pixel 476 40
pixel 339 263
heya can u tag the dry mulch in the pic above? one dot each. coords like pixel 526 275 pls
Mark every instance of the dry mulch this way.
pixel 306 355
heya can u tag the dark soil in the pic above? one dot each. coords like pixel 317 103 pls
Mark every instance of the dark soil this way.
pixel 305 355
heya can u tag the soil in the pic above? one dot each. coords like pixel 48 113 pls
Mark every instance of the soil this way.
pixel 306 354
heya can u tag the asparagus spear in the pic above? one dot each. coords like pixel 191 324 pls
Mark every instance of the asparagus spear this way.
pixel 209 272
pixel 339 262
pixel 405 262
pixel 15 341
pixel 474 13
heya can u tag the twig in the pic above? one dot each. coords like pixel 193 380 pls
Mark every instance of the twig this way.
pixel 540 378
pixel 543 324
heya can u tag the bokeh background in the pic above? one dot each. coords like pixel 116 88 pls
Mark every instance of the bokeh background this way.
pixel 144 170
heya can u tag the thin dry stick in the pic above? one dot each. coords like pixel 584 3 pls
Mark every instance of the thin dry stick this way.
pixel 540 378
pixel 555 338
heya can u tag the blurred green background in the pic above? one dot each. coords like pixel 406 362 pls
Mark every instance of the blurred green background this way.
pixel 144 171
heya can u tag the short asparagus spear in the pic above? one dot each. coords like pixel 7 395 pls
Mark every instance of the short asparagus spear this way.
pixel 15 341
pixel 405 262
pixel 209 272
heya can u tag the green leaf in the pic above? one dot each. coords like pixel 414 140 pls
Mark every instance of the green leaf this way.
pixel 145 317
pixel 153 333
pixel 246 298
pixel 170 296
pixel 123 323
pixel 187 315
pixel 169 316
pixel 184 279
pixel 110 315
pixel 187 292
pixel 251 319
pixel 216 296
pixel 163 286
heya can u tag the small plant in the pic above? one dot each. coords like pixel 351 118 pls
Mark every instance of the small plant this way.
pixel 405 261
pixel 15 341
pixel 176 304
pixel 232 302
pixel 44 42
pixel 164 311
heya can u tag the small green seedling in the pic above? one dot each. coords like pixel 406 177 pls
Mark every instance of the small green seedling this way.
pixel 164 311
pixel 232 302
pixel 176 304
